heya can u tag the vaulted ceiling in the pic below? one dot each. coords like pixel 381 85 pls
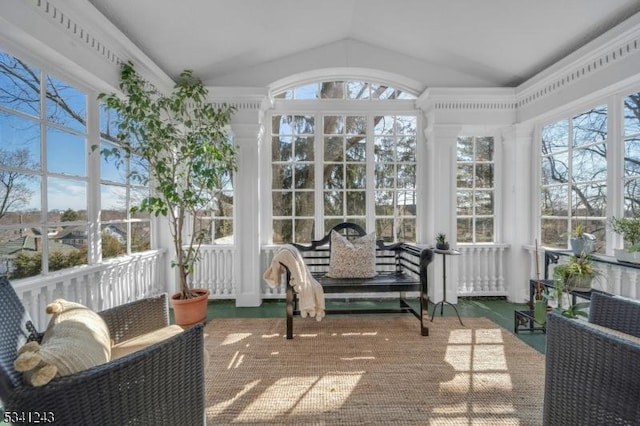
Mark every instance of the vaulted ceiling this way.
pixel 435 42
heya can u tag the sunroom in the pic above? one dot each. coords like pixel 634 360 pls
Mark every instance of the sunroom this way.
pixel 487 163
pixel 502 126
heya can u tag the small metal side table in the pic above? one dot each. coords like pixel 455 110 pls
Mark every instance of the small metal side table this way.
pixel 444 254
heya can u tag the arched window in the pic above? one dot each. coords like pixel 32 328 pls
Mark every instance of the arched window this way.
pixel 343 151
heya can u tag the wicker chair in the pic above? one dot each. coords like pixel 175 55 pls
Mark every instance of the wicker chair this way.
pixel 162 384
pixel 593 370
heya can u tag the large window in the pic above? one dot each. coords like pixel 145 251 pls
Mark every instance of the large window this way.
pixel 45 178
pixel 329 166
pixel 43 171
pixel 631 167
pixel 475 190
pixel 123 184
pixel 573 177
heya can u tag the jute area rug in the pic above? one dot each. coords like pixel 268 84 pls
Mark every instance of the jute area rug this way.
pixel 370 370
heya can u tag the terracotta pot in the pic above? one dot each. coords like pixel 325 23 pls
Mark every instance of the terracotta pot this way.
pixel 189 312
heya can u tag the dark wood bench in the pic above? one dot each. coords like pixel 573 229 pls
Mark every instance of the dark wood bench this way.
pixel 400 268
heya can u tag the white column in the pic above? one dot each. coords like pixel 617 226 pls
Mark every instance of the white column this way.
pixel 519 191
pixel 247 130
pixel 441 202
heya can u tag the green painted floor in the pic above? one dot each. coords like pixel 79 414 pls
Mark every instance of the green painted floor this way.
pixel 496 309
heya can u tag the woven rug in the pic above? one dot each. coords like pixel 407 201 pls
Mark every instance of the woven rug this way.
pixel 370 370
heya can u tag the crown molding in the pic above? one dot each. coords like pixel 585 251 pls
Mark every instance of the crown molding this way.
pixel 467 99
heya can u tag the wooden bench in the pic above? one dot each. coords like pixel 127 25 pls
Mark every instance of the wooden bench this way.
pixel 400 268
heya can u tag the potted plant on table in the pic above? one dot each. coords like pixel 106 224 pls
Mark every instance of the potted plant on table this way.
pixel 183 140
pixel 582 242
pixel 576 274
pixel 441 241
pixel 629 228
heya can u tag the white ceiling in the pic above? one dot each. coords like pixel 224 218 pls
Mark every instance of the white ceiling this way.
pixel 481 42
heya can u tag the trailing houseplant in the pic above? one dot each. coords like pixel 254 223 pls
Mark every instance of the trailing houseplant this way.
pixel 629 228
pixel 183 139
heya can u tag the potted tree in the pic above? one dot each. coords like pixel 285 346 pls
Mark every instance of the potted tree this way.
pixel 629 228
pixel 182 138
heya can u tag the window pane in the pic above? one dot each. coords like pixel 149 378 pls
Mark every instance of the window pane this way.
pixel 590 126
pixel 631 195
pixel 589 200
pixel 465 176
pixel 19 142
pixel 281 176
pixel 136 196
pixel 406 203
pixel 333 203
pixel 281 148
pixel 384 230
pixel 282 231
pixel 66 194
pixel 384 149
pixel 465 230
pixel 406 229
pixel 632 114
pixel 66 105
pixel 384 175
pixel 484 149
pixel 589 164
pixel 555 169
pixel 304 149
pixel 333 125
pixel 356 125
pixel 555 137
pixel 407 176
pixel 356 176
pixel 303 125
pixel 357 90
pixel 554 201
pixel 465 149
pixel 554 232
pixel 282 203
pixel 140 236
pixel 356 149
pixel 114 240
pixel 304 177
pixel 68 248
pixel 406 149
pixel 309 91
pixel 304 204
pixel 66 153
pixel 22 194
pixel 334 148
pixel 484 230
pixel 383 125
pixel 484 175
pixel 464 203
pixel 484 202
pixel 304 230
pixel 356 203
pixel 332 90
pixel 113 203
pixel 333 176
pixel 632 157
pixel 384 203
pixel 20 88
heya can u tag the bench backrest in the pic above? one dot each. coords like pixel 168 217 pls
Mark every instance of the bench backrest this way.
pixel 388 256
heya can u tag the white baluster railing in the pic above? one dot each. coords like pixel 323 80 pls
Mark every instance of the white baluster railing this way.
pixel 108 284
pixel 214 271
pixel 480 269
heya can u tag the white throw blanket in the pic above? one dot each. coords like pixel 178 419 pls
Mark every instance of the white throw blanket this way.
pixel 310 294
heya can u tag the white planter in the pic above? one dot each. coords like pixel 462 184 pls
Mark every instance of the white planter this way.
pixel 625 256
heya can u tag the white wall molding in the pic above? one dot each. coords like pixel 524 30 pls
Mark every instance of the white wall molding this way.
pixel 604 61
